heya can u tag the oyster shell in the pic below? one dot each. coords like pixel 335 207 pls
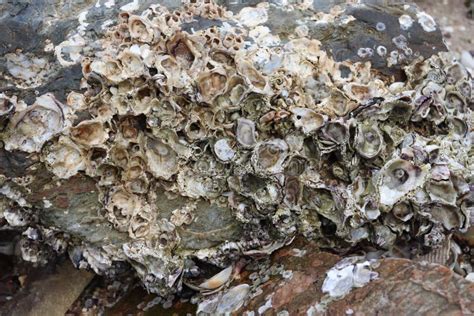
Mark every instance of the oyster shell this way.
pixel 29 129
pixel 307 119
pixel 368 140
pixel 64 158
pixel 268 157
pixel 162 160
pixel 89 133
pixel 398 178
pixel 201 136
pixel 245 133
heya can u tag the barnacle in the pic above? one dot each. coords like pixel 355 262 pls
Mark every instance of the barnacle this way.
pixel 64 157
pixel 210 136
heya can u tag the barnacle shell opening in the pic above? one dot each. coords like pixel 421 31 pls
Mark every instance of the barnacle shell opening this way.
pixel 209 136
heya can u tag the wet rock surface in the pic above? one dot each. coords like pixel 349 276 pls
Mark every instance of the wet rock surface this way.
pixel 31 27
pixel 403 287
pixel 41 52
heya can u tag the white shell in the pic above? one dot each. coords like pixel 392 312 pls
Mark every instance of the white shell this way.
pixel 32 127
pixel 223 150
pixel 64 158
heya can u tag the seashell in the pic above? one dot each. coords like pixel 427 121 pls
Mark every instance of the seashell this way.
pixel 144 101
pixel 119 156
pixel 195 130
pixel 292 191
pixel 266 195
pixel 255 105
pixel 132 64
pixel 89 133
pixel 135 177
pixel 269 156
pixel 245 133
pixel 256 81
pixel 432 88
pixel 455 103
pixel 130 128
pixel 403 211
pixel 108 68
pixel 383 236
pixel 196 186
pixel 140 222
pixel 338 104
pixel 398 178
pixel 6 106
pixel 332 135
pixel 183 49
pixel 64 158
pixel 29 129
pixel 162 160
pixel 140 29
pixel 17 217
pixel 212 84
pixel 252 17
pixel 447 215
pixel 428 108
pixel 368 141
pixel 295 166
pixel 223 150
pixel 76 101
pixel 426 21
pixel 458 127
pixel 399 108
pixel 405 21
pixel 217 280
pixel 445 254
pixel 233 299
pixel 464 87
pixel 455 73
pixel 306 119
pixel 164 113
pixel 108 174
pixel 321 201
pixel 440 187
pixel 120 206
pixel 358 92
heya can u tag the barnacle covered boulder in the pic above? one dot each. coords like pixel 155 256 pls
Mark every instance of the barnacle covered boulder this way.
pixel 196 133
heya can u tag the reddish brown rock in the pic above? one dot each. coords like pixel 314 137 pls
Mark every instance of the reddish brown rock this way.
pixel 404 287
pixel 408 288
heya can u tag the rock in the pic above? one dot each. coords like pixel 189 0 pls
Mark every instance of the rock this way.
pixel 403 287
pixel 408 288
pixel 50 294
pixel 41 51
pixel 34 27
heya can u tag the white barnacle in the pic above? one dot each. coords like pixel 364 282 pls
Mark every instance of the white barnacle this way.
pixel 426 21
pixel 381 51
pixel 380 26
pixel 365 52
pixel 405 21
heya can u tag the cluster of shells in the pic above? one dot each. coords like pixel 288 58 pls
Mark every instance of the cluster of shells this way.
pixel 231 117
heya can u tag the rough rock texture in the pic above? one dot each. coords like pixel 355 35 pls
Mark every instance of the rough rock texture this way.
pixel 408 288
pixel 72 206
pixel 404 287
pixel 50 294
pixel 32 26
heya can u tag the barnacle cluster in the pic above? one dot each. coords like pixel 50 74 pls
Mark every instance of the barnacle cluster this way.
pixel 225 141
